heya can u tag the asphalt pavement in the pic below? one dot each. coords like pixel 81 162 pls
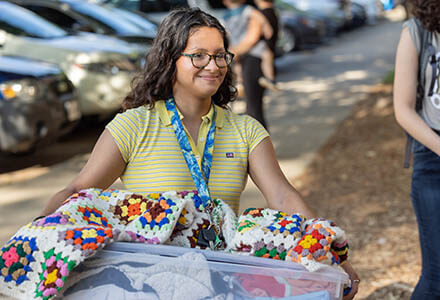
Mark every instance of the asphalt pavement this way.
pixel 320 88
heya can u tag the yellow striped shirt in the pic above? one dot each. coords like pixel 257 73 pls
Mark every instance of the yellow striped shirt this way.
pixel 155 162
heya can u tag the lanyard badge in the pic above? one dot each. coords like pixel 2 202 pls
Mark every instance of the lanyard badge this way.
pixel 207 236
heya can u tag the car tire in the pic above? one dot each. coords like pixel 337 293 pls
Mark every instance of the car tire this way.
pixel 290 40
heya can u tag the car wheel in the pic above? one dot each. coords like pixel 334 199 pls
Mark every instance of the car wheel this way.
pixel 289 40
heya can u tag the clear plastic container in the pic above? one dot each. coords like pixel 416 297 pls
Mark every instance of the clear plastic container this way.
pixel 141 271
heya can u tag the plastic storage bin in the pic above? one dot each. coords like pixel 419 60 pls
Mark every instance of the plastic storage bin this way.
pixel 141 271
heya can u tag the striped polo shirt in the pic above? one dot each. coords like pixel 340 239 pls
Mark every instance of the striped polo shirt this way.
pixel 155 162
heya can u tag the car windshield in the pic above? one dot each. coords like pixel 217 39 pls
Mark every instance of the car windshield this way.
pixel 136 19
pixel 130 5
pixel 21 21
pixel 106 17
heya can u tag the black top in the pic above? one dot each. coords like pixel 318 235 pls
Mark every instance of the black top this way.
pixel 271 16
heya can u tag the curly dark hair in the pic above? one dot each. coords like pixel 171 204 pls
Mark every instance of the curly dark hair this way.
pixel 428 12
pixel 156 81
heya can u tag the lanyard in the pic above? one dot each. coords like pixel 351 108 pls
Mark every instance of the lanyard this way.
pixel 200 179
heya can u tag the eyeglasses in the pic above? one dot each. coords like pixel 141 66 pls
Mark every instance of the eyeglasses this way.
pixel 201 60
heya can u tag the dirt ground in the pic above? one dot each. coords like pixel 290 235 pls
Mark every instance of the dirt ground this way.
pixel 357 180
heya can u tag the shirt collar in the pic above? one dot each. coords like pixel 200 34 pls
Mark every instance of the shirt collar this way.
pixel 164 115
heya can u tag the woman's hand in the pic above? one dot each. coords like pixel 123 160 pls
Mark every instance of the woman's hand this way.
pixel 354 278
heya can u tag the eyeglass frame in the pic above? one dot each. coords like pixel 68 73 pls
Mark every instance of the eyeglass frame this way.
pixel 191 55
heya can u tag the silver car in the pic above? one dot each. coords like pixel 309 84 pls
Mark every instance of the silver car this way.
pixel 37 104
pixel 100 67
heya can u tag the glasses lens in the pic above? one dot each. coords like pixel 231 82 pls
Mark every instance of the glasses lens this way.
pixel 220 60
pixel 200 60
pixel 224 60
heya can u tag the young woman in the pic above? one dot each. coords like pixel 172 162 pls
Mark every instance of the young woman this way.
pixel 182 97
pixel 424 126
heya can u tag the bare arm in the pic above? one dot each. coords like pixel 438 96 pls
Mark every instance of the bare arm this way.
pixel 256 27
pixel 404 98
pixel 267 28
pixel 281 195
pixel 104 166
pixel 267 175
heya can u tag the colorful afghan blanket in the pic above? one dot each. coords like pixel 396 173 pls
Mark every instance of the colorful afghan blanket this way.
pixel 37 260
pixel 273 234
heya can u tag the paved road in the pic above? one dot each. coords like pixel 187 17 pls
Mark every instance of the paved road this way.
pixel 320 88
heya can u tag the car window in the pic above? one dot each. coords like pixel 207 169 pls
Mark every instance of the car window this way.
pixel 136 19
pixel 12 29
pixel 125 4
pixel 151 6
pixel 53 15
pixel 105 17
pixel 19 21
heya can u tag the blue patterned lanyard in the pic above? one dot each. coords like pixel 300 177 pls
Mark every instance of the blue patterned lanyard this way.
pixel 200 181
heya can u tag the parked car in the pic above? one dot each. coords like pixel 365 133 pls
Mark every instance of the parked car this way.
pixel 37 104
pixel 138 18
pixel 81 16
pixel 299 29
pixel 359 15
pixel 373 8
pixel 157 10
pixel 333 10
pixel 100 67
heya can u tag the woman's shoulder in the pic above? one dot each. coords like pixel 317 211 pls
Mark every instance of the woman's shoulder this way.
pixel 410 23
pixel 249 10
pixel 138 117
pixel 140 110
pixel 240 119
pixel 414 29
pixel 138 113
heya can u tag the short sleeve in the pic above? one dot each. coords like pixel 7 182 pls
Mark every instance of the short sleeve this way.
pixel 125 128
pixel 255 133
pixel 412 28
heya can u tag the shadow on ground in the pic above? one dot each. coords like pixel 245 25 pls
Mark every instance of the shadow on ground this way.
pixel 394 291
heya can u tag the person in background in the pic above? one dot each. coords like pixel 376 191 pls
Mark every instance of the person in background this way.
pixel 246 27
pixel 268 57
pixel 424 126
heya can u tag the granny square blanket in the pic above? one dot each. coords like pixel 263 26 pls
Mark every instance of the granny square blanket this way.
pixel 38 259
pixel 264 232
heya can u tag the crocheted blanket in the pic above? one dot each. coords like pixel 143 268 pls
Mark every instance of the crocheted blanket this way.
pixel 273 234
pixel 38 259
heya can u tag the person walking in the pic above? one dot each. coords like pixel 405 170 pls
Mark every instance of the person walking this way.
pixel 424 126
